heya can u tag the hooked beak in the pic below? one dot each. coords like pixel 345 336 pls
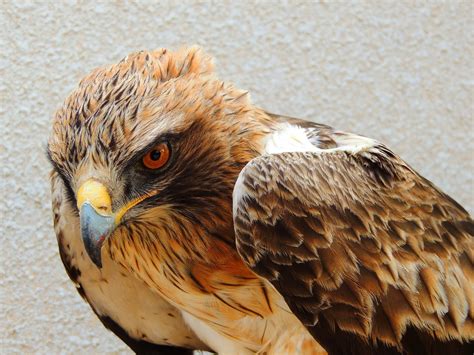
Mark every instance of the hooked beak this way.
pixel 97 220
pixel 94 229
pixel 96 216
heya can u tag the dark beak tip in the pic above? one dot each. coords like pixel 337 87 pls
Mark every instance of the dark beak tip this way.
pixel 94 251
pixel 98 262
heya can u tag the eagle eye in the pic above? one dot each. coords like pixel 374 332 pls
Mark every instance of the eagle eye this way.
pixel 157 157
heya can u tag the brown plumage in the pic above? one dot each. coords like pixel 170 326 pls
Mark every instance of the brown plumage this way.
pixel 260 233
pixel 381 254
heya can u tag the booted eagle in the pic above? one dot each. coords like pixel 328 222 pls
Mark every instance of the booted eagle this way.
pixel 188 218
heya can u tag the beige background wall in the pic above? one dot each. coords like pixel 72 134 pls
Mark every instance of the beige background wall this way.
pixel 398 72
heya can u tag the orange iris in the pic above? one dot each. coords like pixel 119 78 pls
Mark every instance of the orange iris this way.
pixel 157 157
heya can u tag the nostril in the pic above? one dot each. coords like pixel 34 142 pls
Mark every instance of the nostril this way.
pixel 103 208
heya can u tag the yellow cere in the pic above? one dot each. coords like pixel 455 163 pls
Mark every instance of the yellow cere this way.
pixel 97 195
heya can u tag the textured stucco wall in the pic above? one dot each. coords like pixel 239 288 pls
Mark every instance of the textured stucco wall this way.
pixel 397 72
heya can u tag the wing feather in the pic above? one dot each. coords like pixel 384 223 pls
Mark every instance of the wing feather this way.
pixel 359 243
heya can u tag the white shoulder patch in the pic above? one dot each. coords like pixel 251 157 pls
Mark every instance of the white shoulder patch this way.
pixel 292 138
pixel 289 138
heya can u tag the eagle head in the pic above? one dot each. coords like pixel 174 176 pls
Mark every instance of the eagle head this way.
pixel 149 150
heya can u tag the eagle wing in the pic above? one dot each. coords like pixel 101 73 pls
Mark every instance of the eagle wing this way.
pixel 369 255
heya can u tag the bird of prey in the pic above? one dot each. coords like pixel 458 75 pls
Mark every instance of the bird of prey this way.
pixel 189 218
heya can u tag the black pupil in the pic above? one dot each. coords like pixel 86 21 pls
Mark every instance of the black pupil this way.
pixel 155 155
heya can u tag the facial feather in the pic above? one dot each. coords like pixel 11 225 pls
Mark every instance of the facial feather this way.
pixel 119 112
pixel 112 120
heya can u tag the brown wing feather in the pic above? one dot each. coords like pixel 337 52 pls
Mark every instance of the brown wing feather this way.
pixel 361 247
